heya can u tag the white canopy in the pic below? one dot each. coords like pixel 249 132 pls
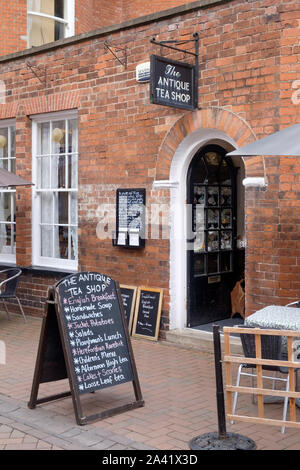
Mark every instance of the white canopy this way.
pixel 285 143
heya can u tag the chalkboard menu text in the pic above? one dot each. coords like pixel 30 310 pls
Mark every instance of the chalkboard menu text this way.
pixel 94 337
pixel 147 313
pixel 128 294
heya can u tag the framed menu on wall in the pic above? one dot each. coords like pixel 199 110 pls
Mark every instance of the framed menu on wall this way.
pixel 130 218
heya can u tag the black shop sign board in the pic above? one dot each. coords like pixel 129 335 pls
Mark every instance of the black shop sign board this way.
pixel 172 83
pixel 85 339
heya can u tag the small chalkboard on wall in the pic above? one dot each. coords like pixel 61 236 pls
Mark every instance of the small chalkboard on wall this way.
pixel 147 313
pixel 128 294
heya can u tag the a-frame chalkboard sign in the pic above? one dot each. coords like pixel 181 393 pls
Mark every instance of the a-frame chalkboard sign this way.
pixel 85 338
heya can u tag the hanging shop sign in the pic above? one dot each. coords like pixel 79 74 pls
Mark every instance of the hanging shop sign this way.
pixel 172 83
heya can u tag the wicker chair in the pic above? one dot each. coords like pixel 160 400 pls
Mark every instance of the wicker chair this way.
pixel 8 287
pixel 271 348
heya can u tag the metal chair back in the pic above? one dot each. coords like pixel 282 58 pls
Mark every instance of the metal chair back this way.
pixel 11 282
pixel 271 348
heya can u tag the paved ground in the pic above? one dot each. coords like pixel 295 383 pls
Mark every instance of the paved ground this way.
pixel 178 387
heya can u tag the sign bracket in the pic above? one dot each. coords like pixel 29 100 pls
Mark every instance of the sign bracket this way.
pixel 114 49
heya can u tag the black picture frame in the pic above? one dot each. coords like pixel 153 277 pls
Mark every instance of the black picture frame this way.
pixel 125 235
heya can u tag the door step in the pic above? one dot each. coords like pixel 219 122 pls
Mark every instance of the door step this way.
pixel 201 340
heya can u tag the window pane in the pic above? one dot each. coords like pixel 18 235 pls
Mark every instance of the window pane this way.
pixel 7 198
pixel 58 171
pixel 3 143
pixel 12 143
pixel 12 165
pixel 45 172
pixel 44 140
pixel 212 219
pixel 213 196
pixel 47 208
pixel 73 171
pixel 5 239
pixel 213 241
pixel 63 242
pixel 72 135
pixel 50 7
pixel 47 241
pixel 63 212
pixel 5 207
pixel 58 137
pixel 73 208
pixel 225 196
pixel 4 163
pixel 74 243
pixel 44 30
pixel 226 240
pixel 226 218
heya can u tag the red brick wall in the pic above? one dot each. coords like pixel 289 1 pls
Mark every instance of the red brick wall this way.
pixel 13 25
pixel 137 8
pixel 249 57
pixel 94 14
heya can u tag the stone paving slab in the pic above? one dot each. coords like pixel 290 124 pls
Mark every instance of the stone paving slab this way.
pixel 177 383
pixel 18 429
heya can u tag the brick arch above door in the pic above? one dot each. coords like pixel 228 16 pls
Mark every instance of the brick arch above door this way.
pixel 208 118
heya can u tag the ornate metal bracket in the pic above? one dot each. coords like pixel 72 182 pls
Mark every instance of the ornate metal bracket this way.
pixel 114 50
pixel 41 68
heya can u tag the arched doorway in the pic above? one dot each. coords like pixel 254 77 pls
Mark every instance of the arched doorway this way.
pixel 213 261
pixel 190 133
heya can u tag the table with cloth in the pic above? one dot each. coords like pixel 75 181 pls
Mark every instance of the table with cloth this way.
pixel 279 318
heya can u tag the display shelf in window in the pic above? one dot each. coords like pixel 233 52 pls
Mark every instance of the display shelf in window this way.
pixel 213 216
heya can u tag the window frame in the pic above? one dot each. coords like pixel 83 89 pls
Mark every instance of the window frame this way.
pixel 37 259
pixel 68 20
pixel 9 258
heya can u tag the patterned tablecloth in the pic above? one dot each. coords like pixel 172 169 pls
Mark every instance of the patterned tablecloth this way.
pixel 274 316
pixel 280 318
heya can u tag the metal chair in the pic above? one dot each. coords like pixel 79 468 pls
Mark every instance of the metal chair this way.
pixel 10 288
pixel 271 348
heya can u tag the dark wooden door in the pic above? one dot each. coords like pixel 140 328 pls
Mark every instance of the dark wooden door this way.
pixel 211 244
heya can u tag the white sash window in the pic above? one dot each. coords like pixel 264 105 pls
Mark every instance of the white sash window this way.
pixel 8 195
pixel 55 166
pixel 49 20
